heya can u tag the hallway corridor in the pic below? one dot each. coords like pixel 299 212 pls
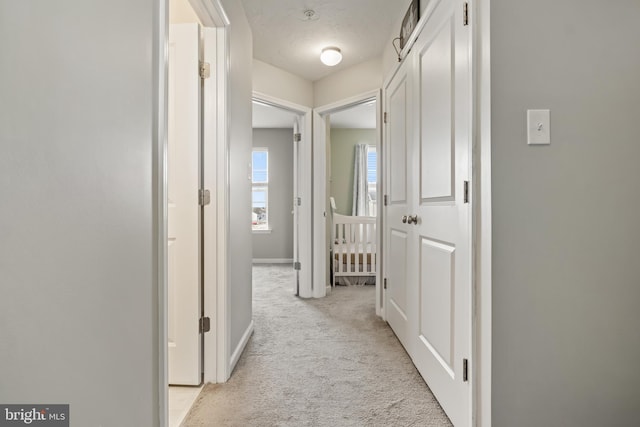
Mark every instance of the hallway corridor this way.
pixel 317 362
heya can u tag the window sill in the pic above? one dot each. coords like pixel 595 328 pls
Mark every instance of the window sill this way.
pixel 261 230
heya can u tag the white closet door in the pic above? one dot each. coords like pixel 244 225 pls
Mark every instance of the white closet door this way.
pixel 428 220
pixel 442 276
pixel 183 208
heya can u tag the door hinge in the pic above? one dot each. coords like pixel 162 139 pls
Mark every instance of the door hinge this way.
pixel 465 14
pixel 205 324
pixel 204 197
pixel 297 266
pixel 466 191
pixel 384 283
pixel 386 200
pixel 465 370
pixel 297 137
pixel 205 70
pixel 385 118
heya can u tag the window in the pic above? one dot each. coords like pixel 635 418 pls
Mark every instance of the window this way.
pixel 260 189
pixel 372 178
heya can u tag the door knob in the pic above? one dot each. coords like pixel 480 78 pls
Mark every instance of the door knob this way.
pixel 412 219
pixel 404 219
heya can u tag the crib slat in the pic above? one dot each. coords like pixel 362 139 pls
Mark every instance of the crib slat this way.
pixel 341 246
pixel 355 246
pixel 372 249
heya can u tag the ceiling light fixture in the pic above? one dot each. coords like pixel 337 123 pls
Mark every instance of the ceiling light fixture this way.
pixel 331 56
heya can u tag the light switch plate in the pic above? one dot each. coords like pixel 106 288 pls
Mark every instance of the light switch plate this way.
pixel 538 127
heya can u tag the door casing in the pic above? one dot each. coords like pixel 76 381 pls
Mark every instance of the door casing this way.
pixel 320 210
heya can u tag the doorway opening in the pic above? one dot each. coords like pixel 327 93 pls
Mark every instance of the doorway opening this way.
pixel 195 154
pixel 281 188
pixel 352 172
pixel 347 144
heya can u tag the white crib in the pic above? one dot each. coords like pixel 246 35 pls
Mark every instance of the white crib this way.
pixel 354 248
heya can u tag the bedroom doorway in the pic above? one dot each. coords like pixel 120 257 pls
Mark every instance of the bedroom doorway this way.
pixel 281 211
pixel 347 143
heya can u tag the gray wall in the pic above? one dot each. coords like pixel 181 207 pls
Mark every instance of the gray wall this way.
pixel 79 292
pixel 239 247
pixel 566 229
pixel 278 244
pixel 343 142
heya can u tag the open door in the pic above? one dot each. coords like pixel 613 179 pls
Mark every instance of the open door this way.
pixel 296 206
pixel 319 214
pixel 183 170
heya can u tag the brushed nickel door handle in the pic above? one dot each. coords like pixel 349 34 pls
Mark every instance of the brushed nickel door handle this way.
pixel 412 219
pixel 404 219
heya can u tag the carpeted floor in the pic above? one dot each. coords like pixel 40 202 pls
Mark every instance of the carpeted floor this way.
pixel 317 362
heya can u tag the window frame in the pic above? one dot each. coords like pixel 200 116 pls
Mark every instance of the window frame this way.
pixel 260 186
pixel 372 184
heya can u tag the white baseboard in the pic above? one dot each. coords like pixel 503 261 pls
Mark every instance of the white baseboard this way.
pixel 235 356
pixel 273 260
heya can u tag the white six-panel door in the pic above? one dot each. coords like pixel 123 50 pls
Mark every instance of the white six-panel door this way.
pixel 435 243
pixel 183 208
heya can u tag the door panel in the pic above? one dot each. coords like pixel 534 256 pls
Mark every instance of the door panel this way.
pixel 396 235
pixel 437 300
pixel 183 208
pixel 397 128
pixel 437 141
pixel 443 339
pixel 397 315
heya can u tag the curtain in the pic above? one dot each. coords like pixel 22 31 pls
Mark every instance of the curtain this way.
pixel 360 192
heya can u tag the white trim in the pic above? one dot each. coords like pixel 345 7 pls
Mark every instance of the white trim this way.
pixel 216 343
pixel 305 188
pixel 261 230
pixel 380 309
pixel 211 13
pixel 319 209
pixel 343 104
pixel 272 261
pixel 221 342
pixel 319 186
pixel 483 248
pixel 418 29
pixel 237 352
pixel 159 191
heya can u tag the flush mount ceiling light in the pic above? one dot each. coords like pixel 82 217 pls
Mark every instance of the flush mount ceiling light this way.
pixel 331 56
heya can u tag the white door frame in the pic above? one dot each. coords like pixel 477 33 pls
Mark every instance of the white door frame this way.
pixel 319 188
pixel 216 343
pixel 304 186
pixel 160 214
pixel 216 166
pixel 481 193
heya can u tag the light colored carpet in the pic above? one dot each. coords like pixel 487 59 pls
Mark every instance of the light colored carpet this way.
pixel 318 362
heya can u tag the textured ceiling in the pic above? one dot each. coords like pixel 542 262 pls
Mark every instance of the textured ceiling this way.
pixel 285 38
